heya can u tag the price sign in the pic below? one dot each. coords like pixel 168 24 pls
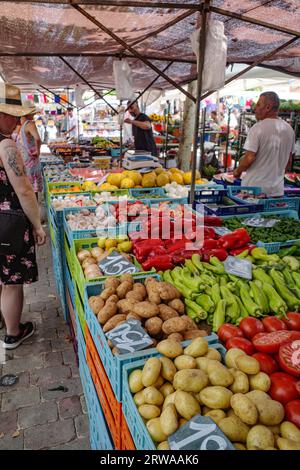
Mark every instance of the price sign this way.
pixel 115 264
pixel 238 267
pixel 199 433
pixel 260 222
pixel 221 231
pixel 129 337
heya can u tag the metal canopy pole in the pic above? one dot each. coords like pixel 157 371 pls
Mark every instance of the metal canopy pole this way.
pixel 87 83
pixel 132 50
pixel 202 46
pixel 54 94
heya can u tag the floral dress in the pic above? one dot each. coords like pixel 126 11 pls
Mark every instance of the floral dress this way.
pixel 21 269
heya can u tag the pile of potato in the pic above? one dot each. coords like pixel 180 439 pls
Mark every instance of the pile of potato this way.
pixel 171 389
pixel 156 304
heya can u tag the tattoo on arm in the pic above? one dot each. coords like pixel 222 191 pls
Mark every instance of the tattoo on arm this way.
pixel 14 161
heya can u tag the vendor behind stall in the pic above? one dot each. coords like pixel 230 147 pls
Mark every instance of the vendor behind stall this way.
pixel 269 147
pixel 141 130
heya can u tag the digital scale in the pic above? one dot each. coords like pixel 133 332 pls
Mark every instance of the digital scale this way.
pixel 140 160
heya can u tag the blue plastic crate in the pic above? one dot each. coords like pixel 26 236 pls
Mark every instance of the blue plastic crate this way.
pixel 69 282
pixel 225 184
pixel 291 191
pixel 100 437
pixel 136 425
pixel 269 204
pixel 114 363
pixel 146 193
pixel 276 246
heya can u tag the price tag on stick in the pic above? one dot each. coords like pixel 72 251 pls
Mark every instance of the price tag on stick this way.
pixel 115 264
pixel 199 433
pixel 129 337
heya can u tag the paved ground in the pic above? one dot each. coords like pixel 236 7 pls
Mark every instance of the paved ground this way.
pixel 32 416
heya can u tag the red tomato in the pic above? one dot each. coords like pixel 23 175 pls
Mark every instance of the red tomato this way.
pixel 293 321
pixel 251 326
pixel 273 324
pixel 295 335
pixel 292 412
pixel 271 342
pixel 267 363
pixel 283 375
pixel 282 389
pixel 241 343
pixel 289 357
pixel 227 331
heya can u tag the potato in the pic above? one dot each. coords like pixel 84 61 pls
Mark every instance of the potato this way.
pixel 270 412
pixel 216 397
pixel 107 312
pixel 106 293
pixel 289 431
pixel 176 337
pixel 270 448
pixel 182 422
pixel 139 398
pixel 186 405
pixel 149 411
pixel 113 322
pixel 257 396
pixel 112 281
pixel 190 325
pixel 166 389
pixel 135 296
pixel 155 431
pixel 275 429
pixel 113 298
pixel 146 309
pixel 125 306
pixel 192 334
pixel 239 446
pixel 260 436
pixel 205 409
pixel 169 348
pixel 126 278
pixel 177 305
pixel 141 289
pixel 202 363
pixel 287 444
pixel 151 371
pixel 169 420
pixel 163 446
pixel 215 415
pixel 185 362
pixel 234 428
pixel 153 326
pixel 169 399
pixel 190 380
pixel 135 381
pixel 168 369
pixel 166 312
pixel 159 383
pixel 167 291
pixel 248 364
pixel 153 295
pixel 232 355
pixel 133 316
pixel 197 348
pixel 244 408
pixel 123 289
pixel 219 374
pixel 241 382
pixel 260 381
pixel 213 353
pixel 96 303
pixel 230 413
pixel 174 325
pixel 152 396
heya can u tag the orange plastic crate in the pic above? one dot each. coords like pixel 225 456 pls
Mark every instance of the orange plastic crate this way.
pixel 112 409
pixel 127 441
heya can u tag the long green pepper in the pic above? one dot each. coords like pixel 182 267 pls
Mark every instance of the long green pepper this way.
pixel 219 315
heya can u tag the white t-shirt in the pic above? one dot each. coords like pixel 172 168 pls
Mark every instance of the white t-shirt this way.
pixel 273 141
pixel 73 122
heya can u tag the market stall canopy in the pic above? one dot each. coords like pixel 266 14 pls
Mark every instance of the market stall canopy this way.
pixel 33 36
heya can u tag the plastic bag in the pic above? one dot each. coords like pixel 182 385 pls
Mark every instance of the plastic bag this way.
pixel 123 80
pixel 216 49
pixel 79 91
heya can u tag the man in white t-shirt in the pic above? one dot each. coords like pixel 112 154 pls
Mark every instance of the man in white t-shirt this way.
pixel 72 124
pixel 269 148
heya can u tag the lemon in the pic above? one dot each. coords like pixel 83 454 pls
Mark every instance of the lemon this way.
pixel 158 171
pixel 163 179
pixel 125 247
pixel 177 177
pixel 101 242
pixel 149 180
pixel 115 179
pixel 136 177
pixel 110 243
pixel 127 183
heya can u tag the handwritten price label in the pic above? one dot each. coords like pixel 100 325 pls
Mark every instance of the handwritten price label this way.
pixel 115 264
pixel 129 337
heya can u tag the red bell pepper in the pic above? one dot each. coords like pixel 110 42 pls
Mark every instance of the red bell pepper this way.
pixel 210 244
pixel 219 253
pixel 160 263
pixel 209 233
pixel 236 239
pixel 212 221
pixel 179 257
pixel 179 245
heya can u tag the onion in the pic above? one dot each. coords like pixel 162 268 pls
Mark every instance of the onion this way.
pixel 95 252
pixel 88 262
pixel 83 254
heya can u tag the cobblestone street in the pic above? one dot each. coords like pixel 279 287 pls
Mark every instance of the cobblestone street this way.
pixel 32 416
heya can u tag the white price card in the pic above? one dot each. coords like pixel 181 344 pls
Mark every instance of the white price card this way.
pixel 129 337
pixel 238 267
pixel 260 222
pixel 199 433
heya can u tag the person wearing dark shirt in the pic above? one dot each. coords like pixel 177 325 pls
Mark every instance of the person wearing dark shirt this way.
pixel 141 130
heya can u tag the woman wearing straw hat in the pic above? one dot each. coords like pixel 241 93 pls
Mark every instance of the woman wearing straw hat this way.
pixel 16 194
pixel 29 143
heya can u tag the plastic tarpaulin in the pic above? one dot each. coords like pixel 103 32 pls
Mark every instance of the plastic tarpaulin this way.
pixel 56 28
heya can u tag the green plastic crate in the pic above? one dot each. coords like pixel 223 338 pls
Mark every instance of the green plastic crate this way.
pixel 80 310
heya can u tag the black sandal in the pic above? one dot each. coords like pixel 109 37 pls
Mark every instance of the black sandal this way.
pixel 26 330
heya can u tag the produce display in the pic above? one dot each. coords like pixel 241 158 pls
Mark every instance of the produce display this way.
pixel 248 196
pixel 102 143
pixel 175 190
pixel 88 220
pixel 284 229
pixel 62 202
pixel 184 382
pixel 156 304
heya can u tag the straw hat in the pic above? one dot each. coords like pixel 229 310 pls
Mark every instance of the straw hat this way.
pixel 11 103
pixel 29 104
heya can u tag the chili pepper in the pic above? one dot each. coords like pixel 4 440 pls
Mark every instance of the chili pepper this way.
pixel 277 304
pixel 219 315
pixel 259 297
pixel 252 308
pixel 291 300
pixel 191 267
pixel 212 221
pixel 196 260
pixel 189 280
pixel 215 293
pixel 160 263
pixel 195 310
pixel 205 302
